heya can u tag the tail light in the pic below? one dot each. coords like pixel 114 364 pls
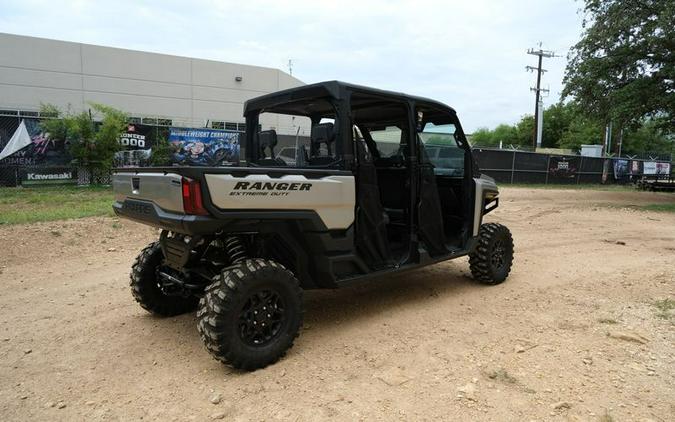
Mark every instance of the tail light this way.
pixel 192 197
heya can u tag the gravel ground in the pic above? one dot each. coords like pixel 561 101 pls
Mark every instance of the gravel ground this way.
pixel 580 330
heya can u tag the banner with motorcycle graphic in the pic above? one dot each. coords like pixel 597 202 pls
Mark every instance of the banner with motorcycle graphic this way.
pixel 204 147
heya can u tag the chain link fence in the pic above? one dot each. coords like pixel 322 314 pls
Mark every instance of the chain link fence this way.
pixel 46 163
pixel 520 167
pixel 646 156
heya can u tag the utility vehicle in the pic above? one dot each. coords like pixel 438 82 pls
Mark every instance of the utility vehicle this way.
pixel 382 182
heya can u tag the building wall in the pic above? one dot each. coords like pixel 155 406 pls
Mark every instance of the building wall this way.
pixel 188 91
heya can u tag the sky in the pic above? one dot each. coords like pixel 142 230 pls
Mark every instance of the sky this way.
pixel 470 55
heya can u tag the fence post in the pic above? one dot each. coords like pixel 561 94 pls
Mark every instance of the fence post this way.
pixel 548 164
pixel 513 165
pixel 581 165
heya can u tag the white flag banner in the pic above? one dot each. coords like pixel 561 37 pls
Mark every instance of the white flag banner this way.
pixel 20 139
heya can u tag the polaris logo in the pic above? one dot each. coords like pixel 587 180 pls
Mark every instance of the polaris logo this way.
pixel 268 188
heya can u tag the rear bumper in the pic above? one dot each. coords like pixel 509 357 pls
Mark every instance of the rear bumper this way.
pixel 147 212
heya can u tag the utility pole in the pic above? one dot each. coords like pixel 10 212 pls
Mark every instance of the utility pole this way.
pixel 290 67
pixel 538 109
pixel 608 140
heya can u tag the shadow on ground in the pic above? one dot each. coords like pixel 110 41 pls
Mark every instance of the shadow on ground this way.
pixel 383 294
pixel 331 310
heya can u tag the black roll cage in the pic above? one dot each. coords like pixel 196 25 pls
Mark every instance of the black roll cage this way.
pixel 339 94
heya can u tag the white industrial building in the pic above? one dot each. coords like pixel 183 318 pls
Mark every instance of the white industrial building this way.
pixel 157 89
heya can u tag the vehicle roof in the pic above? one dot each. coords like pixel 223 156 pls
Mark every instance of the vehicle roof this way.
pixel 334 89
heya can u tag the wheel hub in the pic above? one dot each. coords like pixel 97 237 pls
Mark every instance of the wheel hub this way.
pixel 261 318
pixel 498 254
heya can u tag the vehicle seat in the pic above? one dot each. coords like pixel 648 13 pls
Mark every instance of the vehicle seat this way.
pixel 323 133
pixel 267 139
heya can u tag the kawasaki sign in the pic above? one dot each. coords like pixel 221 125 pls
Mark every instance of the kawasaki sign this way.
pixel 57 176
pixel 48 175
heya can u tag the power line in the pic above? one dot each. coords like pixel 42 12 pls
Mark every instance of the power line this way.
pixel 538 109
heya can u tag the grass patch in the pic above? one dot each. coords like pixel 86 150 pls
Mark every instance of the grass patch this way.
pixel 664 207
pixel 615 188
pixel 607 321
pixel 659 207
pixel 664 308
pixel 30 205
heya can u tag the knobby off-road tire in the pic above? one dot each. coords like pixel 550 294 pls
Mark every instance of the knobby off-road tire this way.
pixel 145 286
pixel 251 314
pixel 491 261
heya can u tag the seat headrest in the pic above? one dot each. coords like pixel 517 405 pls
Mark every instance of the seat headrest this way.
pixel 267 138
pixel 323 133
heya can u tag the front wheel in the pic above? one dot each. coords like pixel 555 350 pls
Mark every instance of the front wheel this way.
pixel 491 261
pixel 251 314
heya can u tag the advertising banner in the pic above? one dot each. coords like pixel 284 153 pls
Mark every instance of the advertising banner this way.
pixel 562 168
pixel 41 151
pixel 620 169
pixel 47 175
pixel 204 147
pixel 18 141
pixel 136 144
pixel 655 168
pixel 137 137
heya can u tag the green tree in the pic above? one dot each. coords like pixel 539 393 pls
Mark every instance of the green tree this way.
pixel 92 144
pixel 648 139
pixel 567 126
pixel 557 119
pixel 524 130
pixel 482 137
pixel 623 68
pixel 581 131
pixel 53 125
pixel 506 134
pixel 161 152
pixel 520 134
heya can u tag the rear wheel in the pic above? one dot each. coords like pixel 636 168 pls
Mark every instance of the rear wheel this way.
pixel 491 261
pixel 146 289
pixel 251 314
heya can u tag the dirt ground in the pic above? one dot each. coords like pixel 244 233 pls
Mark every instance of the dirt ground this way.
pixel 573 334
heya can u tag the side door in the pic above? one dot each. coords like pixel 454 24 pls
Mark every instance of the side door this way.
pixel 444 187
